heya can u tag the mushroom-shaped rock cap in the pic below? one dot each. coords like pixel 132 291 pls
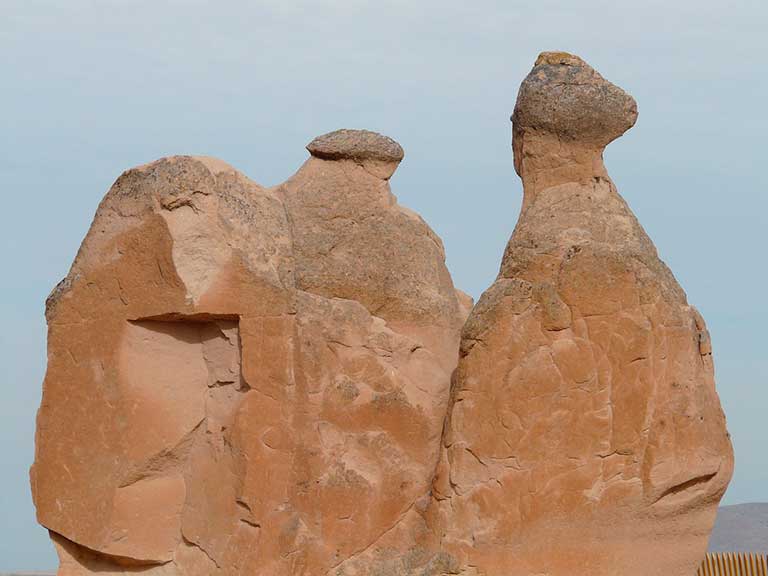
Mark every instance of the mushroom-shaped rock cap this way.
pixel 356 145
pixel 564 95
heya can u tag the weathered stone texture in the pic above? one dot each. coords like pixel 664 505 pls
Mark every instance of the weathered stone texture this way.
pixel 585 434
pixel 244 380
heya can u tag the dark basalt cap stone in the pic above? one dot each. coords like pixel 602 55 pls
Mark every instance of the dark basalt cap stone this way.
pixel 564 95
pixel 356 145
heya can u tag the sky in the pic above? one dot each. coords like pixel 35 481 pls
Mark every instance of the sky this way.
pixel 90 88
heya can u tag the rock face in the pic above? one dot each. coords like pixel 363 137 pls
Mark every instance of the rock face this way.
pixel 245 380
pixel 585 434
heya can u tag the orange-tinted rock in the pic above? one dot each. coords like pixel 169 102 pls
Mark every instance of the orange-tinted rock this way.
pixel 264 381
pixel 376 153
pixel 585 434
pixel 245 380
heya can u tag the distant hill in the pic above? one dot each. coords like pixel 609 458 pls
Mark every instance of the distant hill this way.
pixel 741 528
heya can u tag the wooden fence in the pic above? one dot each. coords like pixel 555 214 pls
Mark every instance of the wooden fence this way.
pixel 733 564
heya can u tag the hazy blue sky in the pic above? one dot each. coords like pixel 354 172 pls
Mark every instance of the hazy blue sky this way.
pixel 91 88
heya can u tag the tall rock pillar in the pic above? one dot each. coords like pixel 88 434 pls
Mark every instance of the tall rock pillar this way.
pixel 585 434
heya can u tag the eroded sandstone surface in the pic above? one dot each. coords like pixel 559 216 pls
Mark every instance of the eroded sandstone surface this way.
pixel 585 434
pixel 284 381
pixel 245 380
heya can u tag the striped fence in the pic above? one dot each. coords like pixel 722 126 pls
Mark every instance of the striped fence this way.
pixel 734 564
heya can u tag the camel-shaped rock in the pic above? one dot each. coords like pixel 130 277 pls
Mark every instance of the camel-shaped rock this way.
pixel 276 381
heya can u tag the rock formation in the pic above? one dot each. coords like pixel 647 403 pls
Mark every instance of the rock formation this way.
pixel 245 380
pixel 585 434
pixel 248 380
